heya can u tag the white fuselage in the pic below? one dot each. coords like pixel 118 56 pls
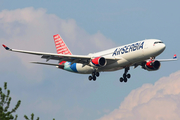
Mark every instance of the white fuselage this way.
pixel 126 56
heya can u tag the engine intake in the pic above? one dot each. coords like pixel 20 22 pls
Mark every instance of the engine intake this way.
pixel 98 62
pixel 151 65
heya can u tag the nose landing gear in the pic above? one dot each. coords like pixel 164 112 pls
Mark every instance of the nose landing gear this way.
pixel 125 75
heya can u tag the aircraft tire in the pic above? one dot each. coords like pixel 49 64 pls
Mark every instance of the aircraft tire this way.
pixel 97 74
pixel 121 79
pixel 90 78
pixel 128 76
pixel 125 80
pixel 94 78
pixel 124 75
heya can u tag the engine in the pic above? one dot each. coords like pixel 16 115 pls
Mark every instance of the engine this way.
pixel 98 62
pixel 151 65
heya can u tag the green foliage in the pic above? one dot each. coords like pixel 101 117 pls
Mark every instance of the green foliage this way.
pixel 32 117
pixel 5 101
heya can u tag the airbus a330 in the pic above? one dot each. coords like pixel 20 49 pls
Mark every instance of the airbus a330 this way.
pixel 141 53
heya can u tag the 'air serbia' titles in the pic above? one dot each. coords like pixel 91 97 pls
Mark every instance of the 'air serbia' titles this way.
pixel 129 48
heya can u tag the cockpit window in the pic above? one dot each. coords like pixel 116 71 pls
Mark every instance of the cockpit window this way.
pixel 158 42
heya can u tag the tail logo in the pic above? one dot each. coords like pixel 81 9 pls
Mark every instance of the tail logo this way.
pixel 61 46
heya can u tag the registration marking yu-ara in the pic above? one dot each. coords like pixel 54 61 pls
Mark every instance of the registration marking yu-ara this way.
pixel 141 53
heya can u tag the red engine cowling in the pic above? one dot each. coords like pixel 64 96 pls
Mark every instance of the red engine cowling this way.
pixel 152 65
pixel 98 62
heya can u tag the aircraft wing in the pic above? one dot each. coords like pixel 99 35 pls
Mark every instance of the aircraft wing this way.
pixel 160 60
pixel 60 57
pixel 166 60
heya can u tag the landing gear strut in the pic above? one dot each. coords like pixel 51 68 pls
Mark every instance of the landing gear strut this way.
pixel 125 75
pixel 94 75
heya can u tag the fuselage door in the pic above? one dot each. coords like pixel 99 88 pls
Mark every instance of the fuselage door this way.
pixel 146 43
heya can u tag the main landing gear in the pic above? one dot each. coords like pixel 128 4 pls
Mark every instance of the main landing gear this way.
pixel 94 75
pixel 125 75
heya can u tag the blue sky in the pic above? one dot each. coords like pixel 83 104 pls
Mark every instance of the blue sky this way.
pixel 86 26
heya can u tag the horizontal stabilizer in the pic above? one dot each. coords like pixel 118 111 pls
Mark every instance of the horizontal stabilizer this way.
pixel 48 64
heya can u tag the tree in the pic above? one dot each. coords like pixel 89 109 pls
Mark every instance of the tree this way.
pixel 32 117
pixel 5 101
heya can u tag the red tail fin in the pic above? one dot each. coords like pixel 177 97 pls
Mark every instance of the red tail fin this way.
pixel 61 46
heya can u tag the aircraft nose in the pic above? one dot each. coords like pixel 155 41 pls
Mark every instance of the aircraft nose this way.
pixel 162 46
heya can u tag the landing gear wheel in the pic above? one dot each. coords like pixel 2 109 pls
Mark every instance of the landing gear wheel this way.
pixel 94 78
pixel 93 73
pixel 128 76
pixel 97 74
pixel 125 79
pixel 90 78
pixel 124 75
pixel 121 79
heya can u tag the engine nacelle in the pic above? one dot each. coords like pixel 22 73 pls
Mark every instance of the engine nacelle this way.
pixel 98 62
pixel 152 65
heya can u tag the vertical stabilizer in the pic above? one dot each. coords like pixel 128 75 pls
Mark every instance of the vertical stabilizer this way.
pixel 61 46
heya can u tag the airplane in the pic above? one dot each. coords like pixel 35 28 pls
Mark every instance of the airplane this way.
pixel 141 53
